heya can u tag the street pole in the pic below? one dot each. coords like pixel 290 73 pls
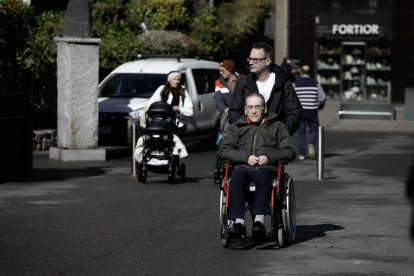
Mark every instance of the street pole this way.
pixel 320 152
pixel 133 145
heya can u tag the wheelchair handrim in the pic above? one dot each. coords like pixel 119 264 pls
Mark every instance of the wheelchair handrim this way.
pixel 290 208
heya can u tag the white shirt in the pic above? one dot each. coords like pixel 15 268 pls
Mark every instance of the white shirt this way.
pixel 265 87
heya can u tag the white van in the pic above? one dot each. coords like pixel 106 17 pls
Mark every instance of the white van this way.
pixel 125 91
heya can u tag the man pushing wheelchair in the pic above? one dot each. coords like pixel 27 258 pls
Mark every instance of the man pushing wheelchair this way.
pixel 254 145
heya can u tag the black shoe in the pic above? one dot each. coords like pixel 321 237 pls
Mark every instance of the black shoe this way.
pixel 258 230
pixel 238 231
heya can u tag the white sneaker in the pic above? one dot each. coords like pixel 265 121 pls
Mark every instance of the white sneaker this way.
pixel 311 151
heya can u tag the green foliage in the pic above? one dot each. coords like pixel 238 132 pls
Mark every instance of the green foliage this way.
pixel 117 24
pixel 15 21
pixel 27 41
pixel 161 14
pixel 222 29
pixel 40 54
pixel 165 42
pixel 115 47
pixel 242 17
pixel 207 32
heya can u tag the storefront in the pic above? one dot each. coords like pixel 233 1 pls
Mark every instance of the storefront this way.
pixel 353 56
pixel 358 49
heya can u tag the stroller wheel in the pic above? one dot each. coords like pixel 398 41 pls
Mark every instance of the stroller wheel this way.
pixel 171 177
pixel 182 173
pixel 143 175
pixel 139 172
pixel 171 173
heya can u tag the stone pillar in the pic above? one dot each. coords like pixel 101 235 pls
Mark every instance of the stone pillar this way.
pixel 77 81
pixel 282 30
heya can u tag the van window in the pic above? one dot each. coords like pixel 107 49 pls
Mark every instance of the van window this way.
pixel 204 80
pixel 132 85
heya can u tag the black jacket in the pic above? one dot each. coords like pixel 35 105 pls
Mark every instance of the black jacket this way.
pixel 243 139
pixel 283 99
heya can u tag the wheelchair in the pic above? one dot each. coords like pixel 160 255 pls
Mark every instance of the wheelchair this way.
pixel 282 207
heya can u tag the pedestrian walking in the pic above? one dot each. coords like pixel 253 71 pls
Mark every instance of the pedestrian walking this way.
pixel 286 66
pixel 312 97
pixel 270 81
pixel 224 88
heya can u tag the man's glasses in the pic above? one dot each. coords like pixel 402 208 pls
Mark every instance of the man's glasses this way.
pixel 255 60
pixel 257 107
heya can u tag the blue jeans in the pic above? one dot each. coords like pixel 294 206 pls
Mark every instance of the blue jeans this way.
pixel 309 119
pixel 240 178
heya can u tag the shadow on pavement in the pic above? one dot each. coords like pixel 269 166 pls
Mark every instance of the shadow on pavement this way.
pixel 307 232
pixel 56 174
pixel 304 233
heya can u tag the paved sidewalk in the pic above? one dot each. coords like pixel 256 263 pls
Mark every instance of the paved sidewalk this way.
pixel 329 119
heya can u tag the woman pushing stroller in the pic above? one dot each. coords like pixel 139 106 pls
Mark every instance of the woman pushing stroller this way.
pixel 173 93
pixel 178 98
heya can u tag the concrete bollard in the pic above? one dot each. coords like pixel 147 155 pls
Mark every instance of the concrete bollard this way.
pixel 320 152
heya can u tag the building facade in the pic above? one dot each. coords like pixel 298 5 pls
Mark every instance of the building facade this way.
pixel 358 49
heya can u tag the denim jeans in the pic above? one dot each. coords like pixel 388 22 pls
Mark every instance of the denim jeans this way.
pixel 309 119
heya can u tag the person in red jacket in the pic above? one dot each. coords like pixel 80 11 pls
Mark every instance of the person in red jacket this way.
pixel 224 88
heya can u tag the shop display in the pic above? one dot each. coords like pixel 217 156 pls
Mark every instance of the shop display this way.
pixel 354 70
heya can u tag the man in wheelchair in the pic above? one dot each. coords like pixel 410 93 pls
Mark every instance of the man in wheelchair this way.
pixel 254 144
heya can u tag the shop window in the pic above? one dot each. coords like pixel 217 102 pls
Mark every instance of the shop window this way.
pixel 355 71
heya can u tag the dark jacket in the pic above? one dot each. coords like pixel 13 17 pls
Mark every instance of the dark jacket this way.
pixel 243 139
pixel 283 99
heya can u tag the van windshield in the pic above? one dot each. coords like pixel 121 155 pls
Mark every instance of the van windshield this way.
pixel 132 85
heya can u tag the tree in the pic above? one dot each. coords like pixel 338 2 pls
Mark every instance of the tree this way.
pixel 221 29
pixel 15 21
pixel 174 26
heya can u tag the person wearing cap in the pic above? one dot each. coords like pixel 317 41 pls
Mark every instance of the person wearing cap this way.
pixel 174 94
pixel 224 88
pixel 312 97
pixel 270 81
pixel 225 85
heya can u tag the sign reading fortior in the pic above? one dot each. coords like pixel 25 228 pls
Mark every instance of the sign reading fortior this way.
pixel 341 27
pixel 355 29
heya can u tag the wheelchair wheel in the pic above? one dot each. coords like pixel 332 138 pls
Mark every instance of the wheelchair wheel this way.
pixel 182 173
pixel 281 238
pixel 223 220
pixel 289 213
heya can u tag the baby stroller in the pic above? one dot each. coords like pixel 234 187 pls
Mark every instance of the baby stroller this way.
pixel 159 154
